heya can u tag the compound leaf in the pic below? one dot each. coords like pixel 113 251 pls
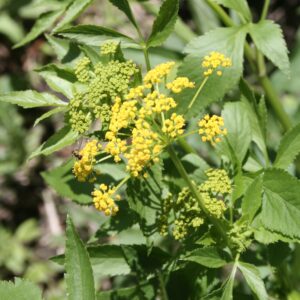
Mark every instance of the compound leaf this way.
pixel 281 203
pixel 268 38
pixel 252 277
pixel 229 41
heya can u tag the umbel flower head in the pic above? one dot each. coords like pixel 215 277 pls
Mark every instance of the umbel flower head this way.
pixel 189 215
pixel 212 129
pixel 104 199
pixel 214 62
pixel 83 167
pixel 109 47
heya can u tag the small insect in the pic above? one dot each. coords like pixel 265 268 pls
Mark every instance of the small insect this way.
pixel 76 154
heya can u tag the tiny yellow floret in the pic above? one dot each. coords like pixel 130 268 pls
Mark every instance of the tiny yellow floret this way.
pixel 211 129
pixel 104 199
pixel 83 168
pixel 173 127
pixel 179 84
pixel 215 61
pixel 157 74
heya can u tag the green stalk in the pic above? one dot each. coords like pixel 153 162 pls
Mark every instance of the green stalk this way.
pixel 265 10
pixel 198 92
pixel 181 170
pixel 163 292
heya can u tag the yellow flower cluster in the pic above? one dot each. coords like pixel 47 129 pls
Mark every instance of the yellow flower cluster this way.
pixel 179 84
pixel 218 182
pixel 116 147
pixel 158 73
pixel 109 47
pixel 173 126
pixel 103 199
pixel 137 92
pixel 123 113
pixel 215 61
pixel 156 103
pixel 83 168
pixel 144 149
pixel 211 128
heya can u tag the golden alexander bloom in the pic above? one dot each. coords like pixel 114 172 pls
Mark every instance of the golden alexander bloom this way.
pixel 173 126
pixel 179 84
pixel 104 199
pixel 83 168
pixel 215 61
pixel 211 129
pixel 123 113
pixel 116 147
pixel 158 73
pixel 144 148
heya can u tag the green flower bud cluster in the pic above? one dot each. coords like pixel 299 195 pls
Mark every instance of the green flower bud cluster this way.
pixel 240 237
pixel 109 47
pixel 166 207
pixel 82 70
pixel 218 182
pixel 104 83
pixel 188 214
pixel 103 112
pixel 80 119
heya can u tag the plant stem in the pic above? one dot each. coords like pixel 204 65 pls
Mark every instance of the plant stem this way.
pixel 146 55
pixel 265 10
pixel 186 146
pixel 163 292
pixel 181 170
pixel 275 103
pixel 198 92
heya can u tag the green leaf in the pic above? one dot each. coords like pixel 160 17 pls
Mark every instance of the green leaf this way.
pixel 281 203
pixel 21 290
pixel 253 198
pixel 252 277
pixel 229 41
pixel 289 148
pixel 240 6
pixel 62 138
pixel 144 290
pixel 93 35
pixel 59 79
pixel 256 128
pixel 65 50
pixel 79 274
pixel 41 25
pixel 228 289
pixel 30 99
pixel 112 260
pixel 73 11
pixel 63 181
pixel 10 27
pixel 164 23
pixel 238 125
pixel 124 6
pixel 49 114
pixel 268 38
pixel 209 257
pixel 144 197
